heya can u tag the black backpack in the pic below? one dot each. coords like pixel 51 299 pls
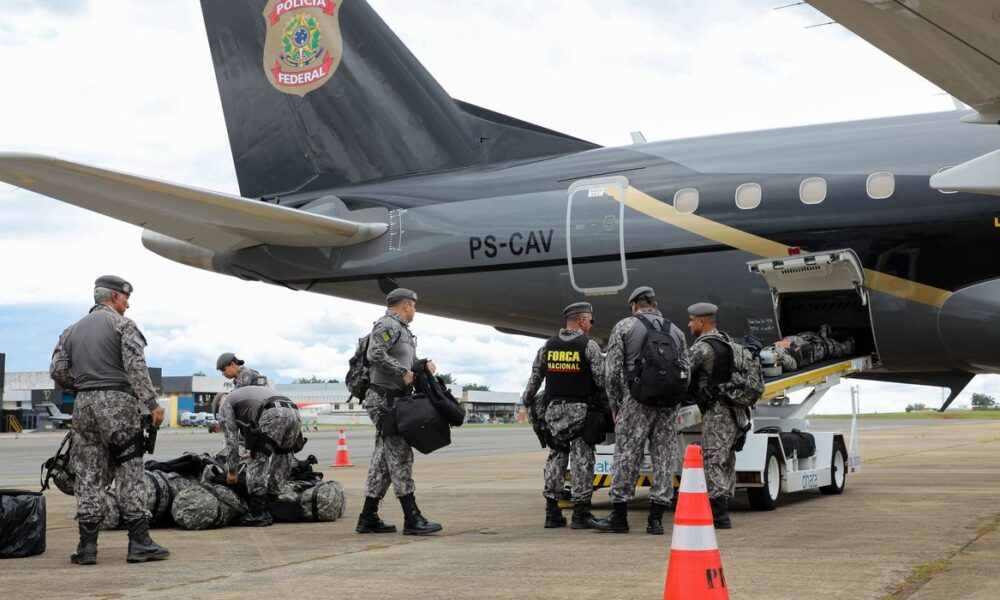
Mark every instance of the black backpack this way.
pixel 657 378
pixel 359 373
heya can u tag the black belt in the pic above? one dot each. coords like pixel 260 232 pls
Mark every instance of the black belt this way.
pixel 386 391
pixel 277 403
pixel 113 388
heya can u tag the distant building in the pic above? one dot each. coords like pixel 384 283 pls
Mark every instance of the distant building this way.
pixel 492 404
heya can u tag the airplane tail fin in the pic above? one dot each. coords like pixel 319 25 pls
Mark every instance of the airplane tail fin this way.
pixel 321 93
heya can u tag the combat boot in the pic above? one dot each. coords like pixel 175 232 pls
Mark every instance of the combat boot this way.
pixel 257 513
pixel 86 550
pixel 616 522
pixel 553 514
pixel 414 523
pixel 581 516
pixel 654 525
pixel 370 522
pixel 141 547
pixel 720 512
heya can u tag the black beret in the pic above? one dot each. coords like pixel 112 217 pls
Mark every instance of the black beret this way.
pixel 642 293
pixel 115 284
pixel 225 358
pixel 578 308
pixel 400 294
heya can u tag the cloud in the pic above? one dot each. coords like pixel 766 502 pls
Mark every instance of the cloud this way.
pixel 597 70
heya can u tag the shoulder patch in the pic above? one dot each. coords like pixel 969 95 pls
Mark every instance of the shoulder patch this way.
pixel 386 336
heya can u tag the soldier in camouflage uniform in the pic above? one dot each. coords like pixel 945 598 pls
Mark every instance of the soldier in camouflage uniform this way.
pixel 583 381
pixel 721 423
pixel 796 352
pixel 271 428
pixel 232 368
pixel 636 423
pixel 101 359
pixel 392 355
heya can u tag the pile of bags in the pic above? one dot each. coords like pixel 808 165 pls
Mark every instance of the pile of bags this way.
pixel 190 491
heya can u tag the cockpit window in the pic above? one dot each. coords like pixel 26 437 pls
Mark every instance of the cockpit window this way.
pixel 812 190
pixel 748 196
pixel 686 200
pixel 881 185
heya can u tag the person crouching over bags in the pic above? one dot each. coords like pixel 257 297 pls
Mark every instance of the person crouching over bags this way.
pixel 392 354
pixel 272 432
pixel 573 370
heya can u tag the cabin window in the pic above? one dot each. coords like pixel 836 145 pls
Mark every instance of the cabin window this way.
pixel 686 201
pixel 748 196
pixel 881 185
pixel 812 190
pixel 942 170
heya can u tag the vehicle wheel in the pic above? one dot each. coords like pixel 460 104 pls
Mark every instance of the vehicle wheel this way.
pixel 838 467
pixel 768 496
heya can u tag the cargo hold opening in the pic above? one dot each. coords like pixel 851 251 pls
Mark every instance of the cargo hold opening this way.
pixel 821 288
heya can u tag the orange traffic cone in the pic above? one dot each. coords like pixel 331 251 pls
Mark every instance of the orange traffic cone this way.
pixel 695 569
pixel 343 458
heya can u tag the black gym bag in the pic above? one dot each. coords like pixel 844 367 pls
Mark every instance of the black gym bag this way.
pixel 420 423
pixel 22 523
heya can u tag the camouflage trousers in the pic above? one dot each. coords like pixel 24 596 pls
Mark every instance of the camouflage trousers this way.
pixel 392 457
pixel 636 424
pixel 266 473
pixel 581 458
pixel 102 419
pixel 719 432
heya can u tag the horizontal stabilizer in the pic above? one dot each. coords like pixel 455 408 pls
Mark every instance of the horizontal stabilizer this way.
pixel 206 219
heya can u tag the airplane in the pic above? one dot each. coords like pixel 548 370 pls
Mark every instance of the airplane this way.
pixel 358 174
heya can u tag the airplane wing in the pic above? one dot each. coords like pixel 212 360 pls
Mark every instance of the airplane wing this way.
pixel 207 219
pixel 953 44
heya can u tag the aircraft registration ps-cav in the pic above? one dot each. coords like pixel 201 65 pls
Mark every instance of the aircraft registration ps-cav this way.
pixel 358 173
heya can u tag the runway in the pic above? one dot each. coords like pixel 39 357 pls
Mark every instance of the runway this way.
pixel 925 502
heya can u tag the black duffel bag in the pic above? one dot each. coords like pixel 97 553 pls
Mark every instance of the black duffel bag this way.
pixel 22 523
pixel 420 423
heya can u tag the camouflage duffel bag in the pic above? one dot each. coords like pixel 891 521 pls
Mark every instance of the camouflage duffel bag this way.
pixel 59 468
pixel 161 489
pixel 308 501
pixel 206 506
pixel 112 514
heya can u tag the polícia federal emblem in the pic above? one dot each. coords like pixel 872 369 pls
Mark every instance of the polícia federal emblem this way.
pixel 303 45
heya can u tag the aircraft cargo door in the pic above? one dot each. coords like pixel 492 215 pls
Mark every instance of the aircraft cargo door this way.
pixel 595 242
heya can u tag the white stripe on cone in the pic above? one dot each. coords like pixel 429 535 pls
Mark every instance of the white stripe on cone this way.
pixel 693 481
pixel 694 537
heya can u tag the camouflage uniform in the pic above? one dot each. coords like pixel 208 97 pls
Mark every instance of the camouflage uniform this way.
pixel 266 473
pixel 392 457
pixel 720 422
pixel 104 417
pixel 808 348
pixel 636 423
pixel 246 376
pixel 580 454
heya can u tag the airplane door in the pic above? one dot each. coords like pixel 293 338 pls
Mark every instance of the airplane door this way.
pixel 595 235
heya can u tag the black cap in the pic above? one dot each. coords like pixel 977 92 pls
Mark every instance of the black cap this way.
pixel 578 308
pixel 642 293
pixel 225 358
pixel 703 309
pixel 115 284
pixel 400 294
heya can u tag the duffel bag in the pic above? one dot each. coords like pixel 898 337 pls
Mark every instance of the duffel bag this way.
pixel 206 506
pixel 308 501
pixel 22 523
pixel 420 423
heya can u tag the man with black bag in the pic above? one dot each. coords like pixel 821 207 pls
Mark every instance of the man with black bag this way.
pixel 722 422
pixel 572 367
pixel 101 358
pixel 392 355
pixel 646 377
pixel 272 432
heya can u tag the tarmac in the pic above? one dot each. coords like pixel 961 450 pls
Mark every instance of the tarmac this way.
pixel 920 521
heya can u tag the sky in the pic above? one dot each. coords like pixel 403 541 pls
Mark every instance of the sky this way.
pixel 129 86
